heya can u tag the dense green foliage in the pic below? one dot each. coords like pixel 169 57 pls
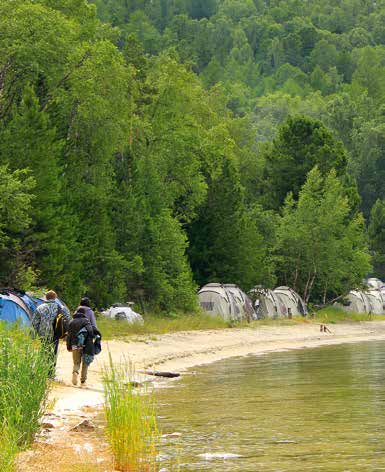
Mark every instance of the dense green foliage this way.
pixel 151 145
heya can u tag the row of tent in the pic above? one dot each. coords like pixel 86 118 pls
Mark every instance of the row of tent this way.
pixel 17 306
pixel 370 301
pixel 232 304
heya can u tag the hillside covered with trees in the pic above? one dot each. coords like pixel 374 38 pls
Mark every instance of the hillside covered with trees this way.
pixel 150 146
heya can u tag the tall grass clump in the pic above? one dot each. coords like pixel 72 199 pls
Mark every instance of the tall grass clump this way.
pixel 131 422
pixel 24 369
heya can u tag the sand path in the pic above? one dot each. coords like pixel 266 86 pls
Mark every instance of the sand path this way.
pixel 169 352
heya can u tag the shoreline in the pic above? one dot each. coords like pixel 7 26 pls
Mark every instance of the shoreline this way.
pixel 183 350
pixel 169 352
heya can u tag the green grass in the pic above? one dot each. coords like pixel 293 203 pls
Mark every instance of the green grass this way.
pixel 336 315
pixel 24 369
pixel 131 421
pixel 114 329
pixel 156 325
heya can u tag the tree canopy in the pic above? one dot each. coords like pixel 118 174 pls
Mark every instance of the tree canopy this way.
pixel 150 146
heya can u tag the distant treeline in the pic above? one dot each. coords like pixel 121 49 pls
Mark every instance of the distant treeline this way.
pixel 171 143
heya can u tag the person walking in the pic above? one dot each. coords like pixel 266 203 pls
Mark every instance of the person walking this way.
pixel 86 304
pixel 80 342
pixel 43 323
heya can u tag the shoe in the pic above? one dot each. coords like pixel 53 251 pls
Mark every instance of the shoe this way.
pixel 75 377
pixel 83 383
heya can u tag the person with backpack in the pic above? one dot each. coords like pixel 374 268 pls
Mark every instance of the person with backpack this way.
pixel 80 341
pixel 45 322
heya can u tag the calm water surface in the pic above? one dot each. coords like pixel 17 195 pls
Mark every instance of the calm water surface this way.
pixel 309 410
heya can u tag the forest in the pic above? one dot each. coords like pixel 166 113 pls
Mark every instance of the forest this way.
pixel 148 147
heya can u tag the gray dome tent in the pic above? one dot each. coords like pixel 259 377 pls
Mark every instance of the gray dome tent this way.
pixel 291 300
pixel 270 304
pixel 374 283
pixel 243 302
pixel 356 302
pixel 227 301
pixel 377 301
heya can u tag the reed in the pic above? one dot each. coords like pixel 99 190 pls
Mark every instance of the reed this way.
pixel 131 422
pixel 24 369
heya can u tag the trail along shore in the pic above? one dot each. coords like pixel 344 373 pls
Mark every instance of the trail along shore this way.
pixel 169 352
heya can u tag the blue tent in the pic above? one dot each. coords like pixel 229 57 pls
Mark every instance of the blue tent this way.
pixel 13 309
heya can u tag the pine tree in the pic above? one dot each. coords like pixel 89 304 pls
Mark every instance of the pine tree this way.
pixel 30 142
pixel 225 245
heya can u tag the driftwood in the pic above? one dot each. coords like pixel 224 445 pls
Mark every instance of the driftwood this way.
pixel 325 329
pixel 169 375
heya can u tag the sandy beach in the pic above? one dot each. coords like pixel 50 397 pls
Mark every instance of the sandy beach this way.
pixel 170 352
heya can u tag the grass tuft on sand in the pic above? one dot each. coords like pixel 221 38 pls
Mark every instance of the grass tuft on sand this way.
pixel 131 420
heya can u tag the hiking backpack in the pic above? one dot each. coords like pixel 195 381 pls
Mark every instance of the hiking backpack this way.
pixel 60 326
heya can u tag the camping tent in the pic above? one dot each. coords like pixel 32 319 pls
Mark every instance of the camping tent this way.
pixel 226 300
pixel 374 283
pixel 270 304
pixel 14 309
pixel 377 301
pixel 242 302
pixel 123 312
pixel 356 302
pixel 291 300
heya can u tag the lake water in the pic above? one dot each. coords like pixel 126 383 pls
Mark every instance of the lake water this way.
pixel 317 409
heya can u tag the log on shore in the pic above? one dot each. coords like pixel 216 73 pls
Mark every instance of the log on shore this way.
pixel 169 375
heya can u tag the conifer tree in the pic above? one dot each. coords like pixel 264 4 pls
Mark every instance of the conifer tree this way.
pixel 30 142
pixel 225 245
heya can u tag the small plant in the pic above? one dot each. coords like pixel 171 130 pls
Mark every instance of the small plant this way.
pixel 131 420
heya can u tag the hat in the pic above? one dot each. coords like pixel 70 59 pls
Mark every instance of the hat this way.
pixel 85 301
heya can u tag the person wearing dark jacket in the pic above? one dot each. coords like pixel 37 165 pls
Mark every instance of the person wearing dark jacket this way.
pixel 80 343
pixel 86 304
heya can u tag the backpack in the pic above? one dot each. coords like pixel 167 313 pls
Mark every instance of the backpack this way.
pixel 60 326
pixel 80 338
